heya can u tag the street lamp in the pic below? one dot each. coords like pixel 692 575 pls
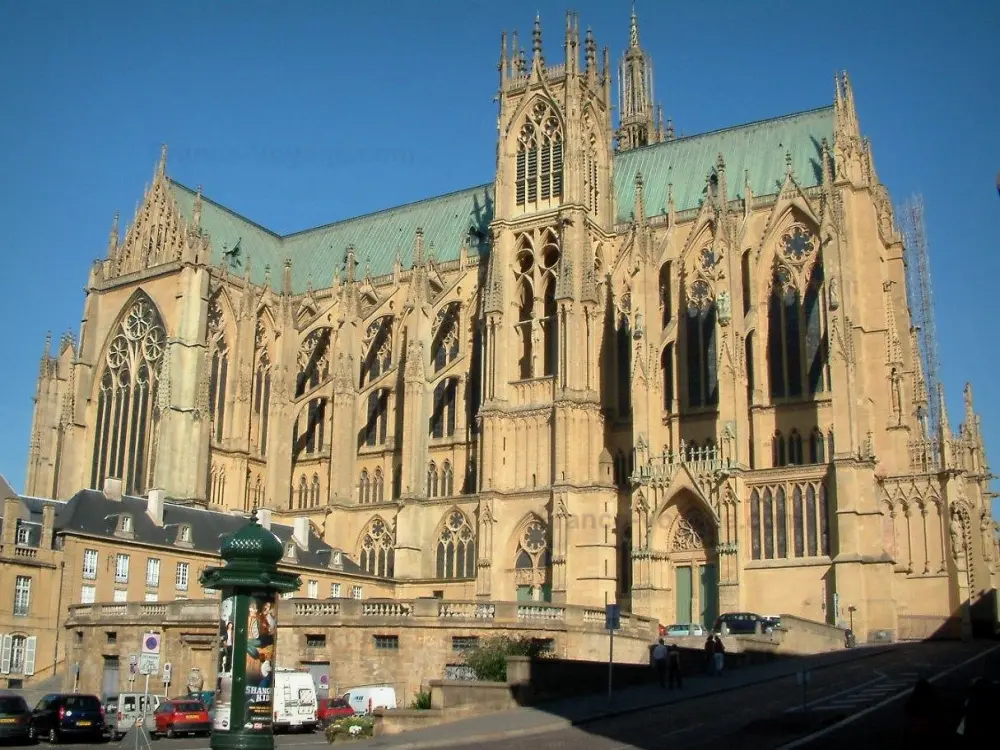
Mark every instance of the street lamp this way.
pixel 851 610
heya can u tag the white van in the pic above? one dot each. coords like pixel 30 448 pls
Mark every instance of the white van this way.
pixel 294 700
pixel 366 699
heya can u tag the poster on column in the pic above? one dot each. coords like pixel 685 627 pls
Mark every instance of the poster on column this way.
pixel 224 682
pixel 259 680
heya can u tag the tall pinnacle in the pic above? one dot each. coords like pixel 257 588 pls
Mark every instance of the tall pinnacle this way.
pixel 633 35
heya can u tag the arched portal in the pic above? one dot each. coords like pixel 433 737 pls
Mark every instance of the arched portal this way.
pixel 688 532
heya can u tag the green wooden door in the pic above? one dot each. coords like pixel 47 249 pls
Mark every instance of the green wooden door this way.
pixel 709 600
pixel 524 594
pixel 683 592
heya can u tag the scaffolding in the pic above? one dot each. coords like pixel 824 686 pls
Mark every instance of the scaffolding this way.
pixel 920 298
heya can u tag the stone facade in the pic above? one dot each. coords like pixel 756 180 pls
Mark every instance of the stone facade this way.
pixel 404 643
pixel 678 373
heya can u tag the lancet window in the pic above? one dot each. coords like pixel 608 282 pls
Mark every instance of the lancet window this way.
pixel 539 169
pixel 591 180
pixel 377 346
pixel 667 371
pixel 700 346
pixel 377 549
pixel 440 483
pixel 666 294
pixel 797 325
pixel 443 413
pixel 789 520
pixel 309 434
pixel 445 345
pixel 376 424
pixel 456 548
pixel 127 418
pixel 217 480
pixel 624 358
pixel 261 399
pixel 219 376
pixel 537 270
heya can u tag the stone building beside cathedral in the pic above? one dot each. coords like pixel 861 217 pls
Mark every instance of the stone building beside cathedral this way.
pixel 675 372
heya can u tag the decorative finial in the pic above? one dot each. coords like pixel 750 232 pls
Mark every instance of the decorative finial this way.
pixel 536 37
pixel 788 162
pixel 161 168
pixel 633 34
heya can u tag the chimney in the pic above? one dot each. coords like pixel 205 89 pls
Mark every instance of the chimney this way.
pixel 264 518
pixel 300 533
pixel 154 505
pixel 48 526
pixel 113 489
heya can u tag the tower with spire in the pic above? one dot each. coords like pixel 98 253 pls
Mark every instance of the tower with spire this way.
pixel 640 121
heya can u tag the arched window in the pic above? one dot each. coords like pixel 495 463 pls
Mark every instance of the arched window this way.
pixel 314 492
pixel 625 562
pixel 531 563
pixel 624 345
pixel 378 486
pixel 812 535
pixel 666 294
pixel 445 404
pixel 538 175
pixel 261 402
pixel 525 321
pixel 456 548
pixel 746 279
pixel 755 530
pixel 445 344
pixel 537 273
pixel 780 523
pixel 797 522
pixel 797 336
pixel 125 422
pixel 768 525
pixel 303 492
pixel 667 370
pixel 447 480
pixel 432 480
pixel 309 435
pixel 218 482
pixel 703 383
pixel 795 448
pixel 377 553
pixel 374 431
pixel 778 457
pixel 377 345
pixel 817 446
pixel 364 488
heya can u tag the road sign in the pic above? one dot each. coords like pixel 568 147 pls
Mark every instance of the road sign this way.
pixel 151 643
pixel 166 672
pixel 612 617
pixel 149 664
pixel 133 659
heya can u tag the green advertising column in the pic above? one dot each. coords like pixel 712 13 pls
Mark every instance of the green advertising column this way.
pixel 250 584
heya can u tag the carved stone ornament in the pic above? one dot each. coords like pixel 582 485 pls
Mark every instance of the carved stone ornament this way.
pixel 195 681
pixel 724 308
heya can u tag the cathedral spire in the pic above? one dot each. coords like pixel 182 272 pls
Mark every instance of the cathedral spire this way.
pixel 637 126
pixel 537 60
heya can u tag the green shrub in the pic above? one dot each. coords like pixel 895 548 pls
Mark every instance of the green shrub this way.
pixel 489 659
pixel 422 702
pixel 340 730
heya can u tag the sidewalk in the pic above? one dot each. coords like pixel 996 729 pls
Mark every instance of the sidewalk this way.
pixel 561 714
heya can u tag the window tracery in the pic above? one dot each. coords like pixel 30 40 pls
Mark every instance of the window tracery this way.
pixel 261 389
pixel 456 548
pixel 692 532
pixel 700 345
pixel 219 377
pixel 377 345
pixel 445 346
pixel 126 420
pixel 537 320
pixel 376 425
pixel 797 324
pixel 377 555
pixel 772 521
pixel 218 485
pixel 539 163
pixel 314 369
pixel 440 483
pixel 442 421
pixel 531 561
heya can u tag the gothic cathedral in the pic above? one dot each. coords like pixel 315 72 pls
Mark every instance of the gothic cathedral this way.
pixel 678 373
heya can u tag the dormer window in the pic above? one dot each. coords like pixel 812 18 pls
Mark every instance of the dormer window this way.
pixel 125 525
pixel 184 535
pixel 23 535
pixel 291 551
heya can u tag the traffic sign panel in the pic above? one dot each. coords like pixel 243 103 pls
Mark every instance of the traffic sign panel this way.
pixel 612 617
pixel 149 663
pixel 151 643
pixel 133 659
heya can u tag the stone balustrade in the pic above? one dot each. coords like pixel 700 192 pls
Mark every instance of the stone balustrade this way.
pixel 359 612
pixel 661 467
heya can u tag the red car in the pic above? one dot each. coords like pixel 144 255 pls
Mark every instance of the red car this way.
pixel 331 709
pixel 180 716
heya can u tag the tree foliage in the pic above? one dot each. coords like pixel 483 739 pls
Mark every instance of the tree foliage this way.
pixel 489 659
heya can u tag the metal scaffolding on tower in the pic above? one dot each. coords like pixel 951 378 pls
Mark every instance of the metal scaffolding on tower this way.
pixel 920 298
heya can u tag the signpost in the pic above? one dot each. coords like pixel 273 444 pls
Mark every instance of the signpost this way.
pixel 166 676
pixel 612 622
pixel 802 678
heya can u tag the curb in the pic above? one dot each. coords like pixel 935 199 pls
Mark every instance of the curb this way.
pixel 557 724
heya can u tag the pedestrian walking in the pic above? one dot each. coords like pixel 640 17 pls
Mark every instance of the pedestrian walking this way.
pixel 710 655
pixel 719 656
pixel 660 662
pixel 674 666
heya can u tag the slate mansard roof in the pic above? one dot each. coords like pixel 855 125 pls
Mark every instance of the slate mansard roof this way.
pixel 91 513
pixel 755 151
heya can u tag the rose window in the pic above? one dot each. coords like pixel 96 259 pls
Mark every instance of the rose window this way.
pixel 798 243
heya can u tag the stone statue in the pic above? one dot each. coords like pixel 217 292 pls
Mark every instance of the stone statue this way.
pixel 195 682
pixel 834 294
pixel 724 308
pixel 956 534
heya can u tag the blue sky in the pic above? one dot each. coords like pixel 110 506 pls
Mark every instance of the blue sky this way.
pixel 301 113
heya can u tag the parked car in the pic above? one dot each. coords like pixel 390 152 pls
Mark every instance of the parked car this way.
pixel 125 710
pixel 331 709
pixel 180 716
pixel 682 631
pixel 366 699
pixel 15 718
pixel 294 700
pixel 60 715
pixel 742 623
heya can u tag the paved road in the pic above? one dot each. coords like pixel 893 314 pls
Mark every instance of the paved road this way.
pixel 759 717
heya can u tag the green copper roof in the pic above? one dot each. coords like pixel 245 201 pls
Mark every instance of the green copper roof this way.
pixel 757 149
